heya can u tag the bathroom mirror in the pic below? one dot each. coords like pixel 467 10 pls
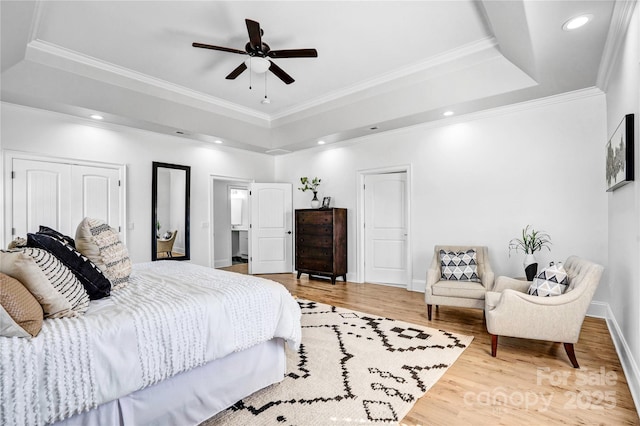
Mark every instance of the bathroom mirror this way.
pixel 170 212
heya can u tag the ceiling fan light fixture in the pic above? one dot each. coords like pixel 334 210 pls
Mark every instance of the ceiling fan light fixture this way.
pixel 257 64
pixel 576 22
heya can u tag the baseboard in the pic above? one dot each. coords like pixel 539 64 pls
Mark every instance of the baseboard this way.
pixel 598 309
pixel 222 263
pixel 629 365
pixel 418 285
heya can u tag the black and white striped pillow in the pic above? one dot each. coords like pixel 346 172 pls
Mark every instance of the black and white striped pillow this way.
pixel 61 278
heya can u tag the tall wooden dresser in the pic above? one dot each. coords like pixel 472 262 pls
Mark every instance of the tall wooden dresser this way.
pixel 321 242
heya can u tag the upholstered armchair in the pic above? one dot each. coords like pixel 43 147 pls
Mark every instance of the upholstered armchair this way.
pixel 465 294
pixel 166 245
pixel 510 311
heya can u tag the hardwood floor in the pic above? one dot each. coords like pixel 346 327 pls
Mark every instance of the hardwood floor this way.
pixel 529 382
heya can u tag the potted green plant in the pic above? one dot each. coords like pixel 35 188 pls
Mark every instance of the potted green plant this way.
pixel 531 242
pixel 311 185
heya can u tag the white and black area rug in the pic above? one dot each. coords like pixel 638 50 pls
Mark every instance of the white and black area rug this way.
pixel 351 368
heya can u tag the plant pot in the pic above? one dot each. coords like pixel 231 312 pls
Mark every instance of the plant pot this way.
pixel 315 203
pixel 530 266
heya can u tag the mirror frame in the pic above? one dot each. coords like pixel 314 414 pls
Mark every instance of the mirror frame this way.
pixel 154 210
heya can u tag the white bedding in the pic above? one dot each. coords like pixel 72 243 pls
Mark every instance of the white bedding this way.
pixel 173 316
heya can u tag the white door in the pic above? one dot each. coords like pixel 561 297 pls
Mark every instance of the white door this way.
pixel 271 228
pixel 385 229
pixel 96 194
pixel 41 196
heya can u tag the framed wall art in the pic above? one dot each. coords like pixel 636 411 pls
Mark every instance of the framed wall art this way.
pixel 620 167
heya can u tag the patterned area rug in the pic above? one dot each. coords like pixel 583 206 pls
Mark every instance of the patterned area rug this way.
pixel 351 368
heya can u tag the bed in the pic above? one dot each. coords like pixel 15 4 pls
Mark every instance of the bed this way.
pixel 180 343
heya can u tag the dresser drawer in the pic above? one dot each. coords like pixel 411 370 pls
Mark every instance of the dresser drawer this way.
pixel 313 264
pixel 309 229
pixel 314 252
pixel 318 217
pixel 308 240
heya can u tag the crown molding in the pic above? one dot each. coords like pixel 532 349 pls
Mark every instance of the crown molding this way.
pixel 441 59
pixel 620 19
pixel 39 49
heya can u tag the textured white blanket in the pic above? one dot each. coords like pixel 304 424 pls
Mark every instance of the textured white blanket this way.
pixel 173 316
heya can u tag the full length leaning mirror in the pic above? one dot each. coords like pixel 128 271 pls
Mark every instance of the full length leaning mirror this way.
pixel 170 212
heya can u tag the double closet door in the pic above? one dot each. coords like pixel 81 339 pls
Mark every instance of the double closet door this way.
pixel 60 194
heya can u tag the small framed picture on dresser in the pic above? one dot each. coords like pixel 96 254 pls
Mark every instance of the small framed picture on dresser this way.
pixel 326 201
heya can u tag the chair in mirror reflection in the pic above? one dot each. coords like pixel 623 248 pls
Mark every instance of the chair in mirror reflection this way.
pixel 165 245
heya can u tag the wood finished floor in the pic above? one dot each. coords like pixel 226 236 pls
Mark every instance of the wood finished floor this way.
pixel 529 382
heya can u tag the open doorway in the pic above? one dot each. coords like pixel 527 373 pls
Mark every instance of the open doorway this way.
pixel 230 223
pixel 252 226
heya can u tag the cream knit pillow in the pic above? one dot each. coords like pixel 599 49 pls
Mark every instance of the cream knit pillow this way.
pixel 100 243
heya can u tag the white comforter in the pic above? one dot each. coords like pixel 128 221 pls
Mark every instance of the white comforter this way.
pixel 173 316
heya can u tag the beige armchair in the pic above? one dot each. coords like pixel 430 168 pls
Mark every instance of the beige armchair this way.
pixel 510 311
pixel 466 294
pixel 166 245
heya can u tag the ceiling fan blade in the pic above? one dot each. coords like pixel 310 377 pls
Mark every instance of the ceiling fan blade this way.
pixel 224 49
pixel 293 53
pixel 236 72
pixel 279 72
pixel 255 34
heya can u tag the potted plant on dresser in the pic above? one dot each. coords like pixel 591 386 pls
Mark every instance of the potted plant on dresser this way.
pixel 531 242
pixel 311 185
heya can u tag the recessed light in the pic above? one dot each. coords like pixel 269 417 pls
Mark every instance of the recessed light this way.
pixel 179 132
pixel 321 142
pixel 96 117
pixel 576 22
pixel 447 113
pixel 217 141
pixel 373 128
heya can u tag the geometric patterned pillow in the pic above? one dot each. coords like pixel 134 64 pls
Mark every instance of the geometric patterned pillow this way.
pixel 100 243
pixel 551 281
pixel 459 266
pixel 91 277
pixel 61 278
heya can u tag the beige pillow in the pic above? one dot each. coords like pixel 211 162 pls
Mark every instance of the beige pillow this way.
pixel 61 278
pixel 101 244
pixel 24 269
pixel 20 313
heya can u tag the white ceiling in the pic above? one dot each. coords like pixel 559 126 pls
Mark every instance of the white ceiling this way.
pixel 384 64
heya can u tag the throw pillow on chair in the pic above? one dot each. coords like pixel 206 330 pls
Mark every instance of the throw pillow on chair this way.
pixel 551 281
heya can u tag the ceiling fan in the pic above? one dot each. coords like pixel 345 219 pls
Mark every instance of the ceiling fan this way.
pixel 256 48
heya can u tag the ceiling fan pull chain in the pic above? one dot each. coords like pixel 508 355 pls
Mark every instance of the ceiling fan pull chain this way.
pixel 250 62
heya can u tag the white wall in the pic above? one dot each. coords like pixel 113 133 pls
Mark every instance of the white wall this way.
pixel 623 97
pixel 481 180
pixel 46 133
